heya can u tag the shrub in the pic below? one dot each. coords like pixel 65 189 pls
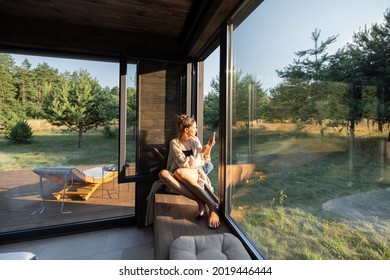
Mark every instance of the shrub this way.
pixel 110 132
pixel 20 133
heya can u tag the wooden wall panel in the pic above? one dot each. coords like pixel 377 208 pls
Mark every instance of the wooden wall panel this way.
pixel 160 99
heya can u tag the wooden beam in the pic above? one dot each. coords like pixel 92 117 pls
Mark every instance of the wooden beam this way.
pixel 47 36
pixel 213 15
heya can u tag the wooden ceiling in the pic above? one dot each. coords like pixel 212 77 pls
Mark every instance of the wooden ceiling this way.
pixel 150 29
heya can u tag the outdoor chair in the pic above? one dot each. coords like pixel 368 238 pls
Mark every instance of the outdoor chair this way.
pixel 75 182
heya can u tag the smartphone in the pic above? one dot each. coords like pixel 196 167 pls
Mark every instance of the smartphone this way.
pixel 212 138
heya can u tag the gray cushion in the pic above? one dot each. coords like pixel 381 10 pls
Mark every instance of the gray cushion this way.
pixel 18 256
pixel 208 247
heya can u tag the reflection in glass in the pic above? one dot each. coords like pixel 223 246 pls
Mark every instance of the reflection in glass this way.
pixel 131 120
pixel 211 111
pixel 317 135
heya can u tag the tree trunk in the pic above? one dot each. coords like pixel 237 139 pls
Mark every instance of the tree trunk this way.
pixel 352 134
pixel 80 139
pixel 380 126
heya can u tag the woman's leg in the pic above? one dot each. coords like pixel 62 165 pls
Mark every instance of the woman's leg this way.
pixel 177 187
pixel 190 178
pixel 180 188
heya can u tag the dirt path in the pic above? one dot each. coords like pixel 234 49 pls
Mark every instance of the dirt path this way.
pixel 363 209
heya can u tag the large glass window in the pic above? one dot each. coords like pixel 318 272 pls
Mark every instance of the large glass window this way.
pixel 131 120
pixel 211 111
pixel 308 173
pixel 59 134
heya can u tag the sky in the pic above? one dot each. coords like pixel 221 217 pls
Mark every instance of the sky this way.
pixel 266 41
pixel 106 73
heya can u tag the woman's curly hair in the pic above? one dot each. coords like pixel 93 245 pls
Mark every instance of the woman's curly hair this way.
pixel 183 121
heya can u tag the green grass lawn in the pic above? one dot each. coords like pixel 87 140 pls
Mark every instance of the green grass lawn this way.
pixel 282 210
pixel 60 149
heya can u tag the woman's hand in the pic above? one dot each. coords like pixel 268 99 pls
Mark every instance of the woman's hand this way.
pixel 211 141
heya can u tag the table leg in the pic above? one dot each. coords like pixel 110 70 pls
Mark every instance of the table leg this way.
pixel 42 208
pixel 102 181
pixel 63 196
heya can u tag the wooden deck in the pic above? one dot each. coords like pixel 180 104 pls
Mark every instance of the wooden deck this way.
pixel 175 216
pixel 20 196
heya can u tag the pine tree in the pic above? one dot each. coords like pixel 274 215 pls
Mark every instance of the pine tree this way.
pixel 80 104
pixel 9 108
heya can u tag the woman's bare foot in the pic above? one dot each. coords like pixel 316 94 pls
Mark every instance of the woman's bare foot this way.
pixel 213 219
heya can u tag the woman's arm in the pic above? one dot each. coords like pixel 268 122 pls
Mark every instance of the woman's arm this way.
pixel 207 148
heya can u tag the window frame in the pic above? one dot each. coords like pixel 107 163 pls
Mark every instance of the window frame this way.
pixel 226 103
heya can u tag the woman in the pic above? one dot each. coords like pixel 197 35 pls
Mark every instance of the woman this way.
pixel 184 173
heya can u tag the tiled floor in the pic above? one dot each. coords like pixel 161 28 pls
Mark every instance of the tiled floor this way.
pixel 127 243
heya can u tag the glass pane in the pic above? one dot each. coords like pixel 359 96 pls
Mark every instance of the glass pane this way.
pixel 309 166
pixel 59 123
pixel 131 119
pixel 211 112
